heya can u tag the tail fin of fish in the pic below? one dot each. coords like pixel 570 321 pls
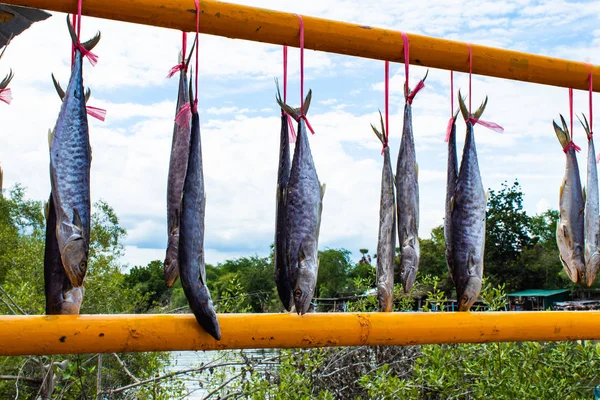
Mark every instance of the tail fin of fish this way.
pixel 61 92
pixel 6 80
pixel 380 135
pixel 586 126
pixel 90 44
pixel 187 63
pixel 562 133
pixel 294 112
pixel 465 112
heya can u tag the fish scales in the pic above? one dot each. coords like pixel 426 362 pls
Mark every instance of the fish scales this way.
pixel 592 209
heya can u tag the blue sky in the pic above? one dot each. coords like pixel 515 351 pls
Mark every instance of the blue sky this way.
pixel 240 121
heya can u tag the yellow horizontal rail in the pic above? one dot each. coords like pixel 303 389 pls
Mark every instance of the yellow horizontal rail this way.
pixel 40 334
pixel 261 25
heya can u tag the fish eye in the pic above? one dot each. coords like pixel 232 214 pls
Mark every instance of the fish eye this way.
pixel 298 293
pixel 82 264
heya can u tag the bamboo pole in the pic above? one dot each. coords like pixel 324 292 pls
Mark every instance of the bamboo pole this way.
pixel 67 334
pixel 281 28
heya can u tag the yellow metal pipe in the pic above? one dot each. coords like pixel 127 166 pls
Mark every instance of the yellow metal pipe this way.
pixel 261 25
pixel 39 334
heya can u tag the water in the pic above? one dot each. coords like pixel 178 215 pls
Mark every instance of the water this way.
pixel 183 360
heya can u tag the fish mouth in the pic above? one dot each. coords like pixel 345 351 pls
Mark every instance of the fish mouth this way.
pixel 301 301
pixel 465 303
pixel 171 270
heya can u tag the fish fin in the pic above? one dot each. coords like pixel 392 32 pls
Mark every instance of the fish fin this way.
pixel 292 112
pixel 306 104
pixel 59 89
pixel 562 133
pixel 323 186
pixel 583 194
pixel 285 192
pixel 277 194
pixel 562 187
pixel 46 209
pixel 487 196
pixel 586 126
pixel 462 106
pixel 187 63
pixel 451 203
pixel 77 220
pixel 50 137
pixel 90 44
pixel 481 108
pixel 6 80
pixel 417 169
pixel 88 93
pixel 380 135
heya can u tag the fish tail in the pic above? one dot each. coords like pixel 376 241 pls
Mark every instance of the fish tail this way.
pixel 90 44
pixel 586 126
pixel 187 63
pixel 562 133
pixel 7 79
pixel 465 112
pixel 295 113
pixel 380 135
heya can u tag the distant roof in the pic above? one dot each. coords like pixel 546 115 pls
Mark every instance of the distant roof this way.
pixel 538 292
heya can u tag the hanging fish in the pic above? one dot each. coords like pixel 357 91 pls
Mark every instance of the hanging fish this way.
pixel 592 209
pixel 303 201
pixel 452 174
pixel 70 161
pixel 467 219
pixel 407 193
pixel 15 19
pixel 191 235
pixel 282 278
pixel 570 227
pixel 180 150
pixel 386 243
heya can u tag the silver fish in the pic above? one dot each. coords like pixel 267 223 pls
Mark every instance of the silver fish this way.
pixel 191 236
pixel 592 209
pixel 452 174
pixel 386 243
pixel 407 206
pixel 467 222
pixel 282 278
pixel 570 227
pixel 70 161
pixel 180 150
pixel 303 200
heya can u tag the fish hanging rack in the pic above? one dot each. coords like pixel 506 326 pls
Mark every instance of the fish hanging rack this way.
pixel 40 334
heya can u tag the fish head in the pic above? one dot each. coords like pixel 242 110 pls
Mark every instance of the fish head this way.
pixel 306 281
pixel 171 268
pixel 72 300
pixel 75 259
pixel 469 293
pixel 571 254
pixel 592 269
pixel 410 264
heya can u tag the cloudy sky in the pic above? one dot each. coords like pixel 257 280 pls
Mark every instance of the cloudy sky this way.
pixel 240 121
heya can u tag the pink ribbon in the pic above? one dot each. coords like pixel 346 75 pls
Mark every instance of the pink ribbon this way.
pixel 6 95
pixel 387 95
pixel 92 58
pixel 451 120
pixel 490 125
pixel 291 130
pixel 181 66
pixel 571 145
pixel 96 112
pixel 183 116
pixel 407 93
pixel 302 115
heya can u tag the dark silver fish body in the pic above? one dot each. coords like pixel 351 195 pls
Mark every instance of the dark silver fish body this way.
pixel 180 150
pixel 303 201
pixel 70 161
pixel 452 174
pixel 592 209
pixel 282 278
pixel 61 296
pixel 191 238
pixel 407 194
pixel 386 243
pixel 386 240
pixel 570 227
pixel 467 218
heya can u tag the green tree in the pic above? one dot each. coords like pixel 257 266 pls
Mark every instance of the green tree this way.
pixel 149 282
pixel 334 266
